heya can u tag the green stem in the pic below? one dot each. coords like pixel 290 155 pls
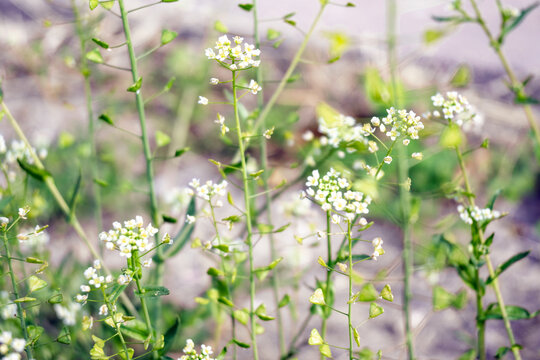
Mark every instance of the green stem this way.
pixel 71 217
pixel 154 214
pixel 136 268
pixel 403 175
pixel 350 294
pixel 515 83
pixel 247 202
pixel 270 104
pixel 328 273
pixel 480 322
pixel 491 271
pixel 227 282
pixel 20 309
pixel 116 326
pixel 274 279
pixel 85 71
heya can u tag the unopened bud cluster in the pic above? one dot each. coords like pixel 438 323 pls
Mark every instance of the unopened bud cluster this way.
pixel 192 354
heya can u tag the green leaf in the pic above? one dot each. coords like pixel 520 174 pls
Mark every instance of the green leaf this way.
pixel 241 344
pixel 94 56
pixel 431 36
pixel 290 22
pixel 162 139
pixel 514 259
pixel 35 283
pixel 285 300
pixel 182 237
pixel 34 171
pixel 101 182
pixel 356 336
pixel 181 152
pixel 106 118
pixel 136 86
pixel 167 36
pixel 375 310
pixel 261 313
pixel 349 4
pixel 225 301
pixel 222 354
pixel 246 7
pixel 212 271
pixel 242 316
pixel 169 84
pixel 153 291
pixel 122 354
pixel 288 16
pixel 169 219
pixel 493 311
pixel 272 34
pixel 169 1
pixel 442 299
pixel 501 352
pixel 367 293
pixel 277 43
pixel 93 4
pixel 64 337
pixel 107 4
pixel 462 77
pixel 100 43
pixel 220 27
pixel 115 293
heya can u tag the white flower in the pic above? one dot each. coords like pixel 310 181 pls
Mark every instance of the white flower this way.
pixel 203 100
pixel 103 310
pixel 85 288
pixel 387 159
pixel 307 136
pixel 417 155
pixel 23 212
pixel 254 87
pixel 268 133
pixel 190 219
pixel 147 263
pixel 214 81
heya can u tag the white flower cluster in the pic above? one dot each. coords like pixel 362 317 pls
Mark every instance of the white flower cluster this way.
pixel 95 281
pixel 456 108
pixel 67 313
pixel 332 192
pixel 479 215
pixel 191 353
pixel 19 150
pixel 133 236
pixel 207 190
pixel 234 56
pixel 399 123
pixel 342 129
pixel 10 347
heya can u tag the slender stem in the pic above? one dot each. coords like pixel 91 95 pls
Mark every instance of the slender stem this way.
pixel 160 266
pixel 515 83
pixel 249 240
pixel 20 310
pixel 274 279
pixel 85 71
pixel 480 322
pixel 71 217
pixel 270 104
pixel 116 326
pixel 227 282
pixel 350 294
pixel 328 273
pixel 491 271
pixel 403 174
pixel 136 268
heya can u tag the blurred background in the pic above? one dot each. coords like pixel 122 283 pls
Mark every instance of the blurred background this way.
pixel 39 60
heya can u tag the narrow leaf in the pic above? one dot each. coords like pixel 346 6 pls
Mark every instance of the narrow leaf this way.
pixel 514 259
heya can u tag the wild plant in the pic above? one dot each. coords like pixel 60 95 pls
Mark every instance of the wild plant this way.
pixel 510 19
pixel 457 115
